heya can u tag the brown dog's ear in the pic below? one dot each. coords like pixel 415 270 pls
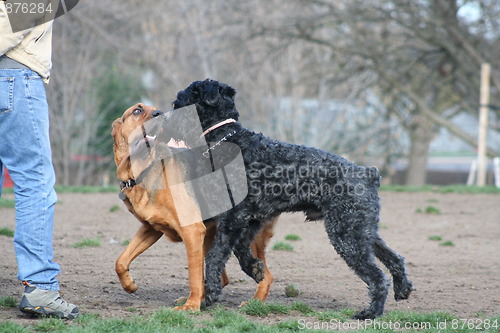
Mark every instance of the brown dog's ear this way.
pixel 116 125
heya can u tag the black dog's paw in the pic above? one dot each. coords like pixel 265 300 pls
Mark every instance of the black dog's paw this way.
pixel 364 315
pixel 258 269
pixel 211 297
pixel 402 290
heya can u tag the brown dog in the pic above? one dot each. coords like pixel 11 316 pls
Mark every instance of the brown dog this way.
pixel 156 211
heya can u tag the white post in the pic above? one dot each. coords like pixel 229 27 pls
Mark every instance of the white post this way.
pixel 482 161
pixel 471 179
pixel 496 166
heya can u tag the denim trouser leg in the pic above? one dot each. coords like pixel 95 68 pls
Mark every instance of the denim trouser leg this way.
pixel 25 152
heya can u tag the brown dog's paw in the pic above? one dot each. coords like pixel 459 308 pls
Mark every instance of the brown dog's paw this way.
pixel 130 287
pixel 189 306
pixel 180 301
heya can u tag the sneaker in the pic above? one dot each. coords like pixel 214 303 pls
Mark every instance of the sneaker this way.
pixel 39 302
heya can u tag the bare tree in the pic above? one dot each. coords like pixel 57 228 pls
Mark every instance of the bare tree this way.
pixel 425 55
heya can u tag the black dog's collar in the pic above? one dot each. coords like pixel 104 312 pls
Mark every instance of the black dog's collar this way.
pixel 206 154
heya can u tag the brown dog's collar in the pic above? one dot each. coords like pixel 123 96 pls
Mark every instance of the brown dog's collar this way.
pixel 126 184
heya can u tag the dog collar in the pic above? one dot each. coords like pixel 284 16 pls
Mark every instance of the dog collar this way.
pixel 222 123
pixel 218 143
pixel 126 184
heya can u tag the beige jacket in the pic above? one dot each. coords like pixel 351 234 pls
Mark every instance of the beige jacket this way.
pixel 30 47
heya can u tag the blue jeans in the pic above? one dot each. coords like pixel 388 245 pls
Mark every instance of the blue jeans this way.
pixel 25 152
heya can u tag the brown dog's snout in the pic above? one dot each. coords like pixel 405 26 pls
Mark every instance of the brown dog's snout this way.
pixel 157 113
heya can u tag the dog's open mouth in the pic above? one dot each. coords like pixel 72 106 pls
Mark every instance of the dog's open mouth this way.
pixel 143 145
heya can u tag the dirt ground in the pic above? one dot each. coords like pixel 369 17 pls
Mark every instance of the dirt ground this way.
pixel 463 279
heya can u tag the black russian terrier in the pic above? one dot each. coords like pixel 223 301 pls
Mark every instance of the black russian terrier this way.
pixel 284 177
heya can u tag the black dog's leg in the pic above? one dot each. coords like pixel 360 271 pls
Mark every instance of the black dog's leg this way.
pixel 349 238
pixel 396 265
pixel 252 266
pixel 225 240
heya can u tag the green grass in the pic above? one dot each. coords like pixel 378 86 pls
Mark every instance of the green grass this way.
pixel 87 242
pixel 114 208
pixel 432 210
pixel 8 302
pixel 125 242
pixel 7 232
pixel 435 238
pixel 77 189
pixel 292 237
pixel 7 203
pixel 429 210
pixel 254 317
pixel 282 246
pixel 459 188
pixel 49 325
pixel 292 290
pixel 447 243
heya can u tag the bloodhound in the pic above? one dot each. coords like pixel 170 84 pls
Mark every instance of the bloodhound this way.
pixel 153 206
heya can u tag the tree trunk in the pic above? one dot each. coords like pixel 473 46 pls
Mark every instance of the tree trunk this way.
pixel 421 135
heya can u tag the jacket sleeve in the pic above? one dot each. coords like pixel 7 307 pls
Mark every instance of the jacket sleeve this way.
pixel 8 39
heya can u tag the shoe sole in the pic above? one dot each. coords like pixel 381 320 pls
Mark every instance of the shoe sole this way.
pixel 41 311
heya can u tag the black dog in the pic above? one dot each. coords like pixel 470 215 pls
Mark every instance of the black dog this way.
pixel 288 178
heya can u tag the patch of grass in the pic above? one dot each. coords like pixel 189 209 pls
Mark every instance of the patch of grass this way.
pixel 125 242
pixel 432 200
pixel 459 188
pixel 87 242
pixel 282 246
pixel 288 325
pixel 432 210
pixel 231 321
pixel 7 203
pixel 342 315
pixel 436 238
pixel 85 189
pixel 292 290
pixel 11 327
pixel 258 308
pixel 219 319
pixel 8 302
pixel 134 324
pixel 171 318
pixel 49 325
pixel 292 237
pixel 416 320
pixel 302 308
pixel 114 208
pixel 447 243
pixel 7 232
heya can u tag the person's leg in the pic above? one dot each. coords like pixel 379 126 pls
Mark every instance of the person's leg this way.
pixel 1 178
pixel 27 155
pixel 25 151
